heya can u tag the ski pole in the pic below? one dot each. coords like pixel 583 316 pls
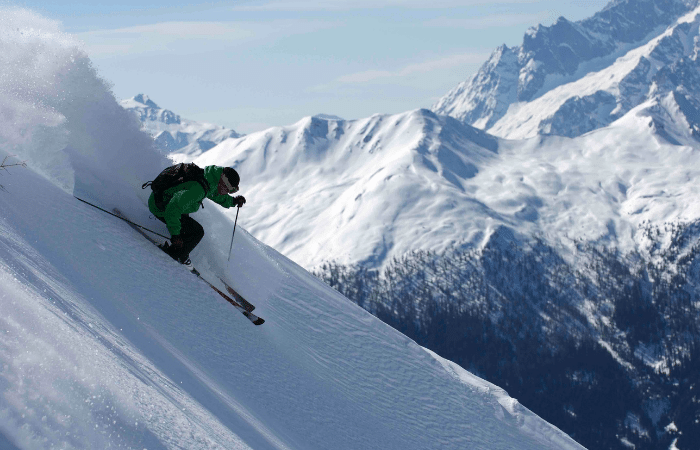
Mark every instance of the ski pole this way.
pixel 234 233
pixel 119 217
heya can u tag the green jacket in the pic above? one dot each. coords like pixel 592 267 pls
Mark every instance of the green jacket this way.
pixel 187 197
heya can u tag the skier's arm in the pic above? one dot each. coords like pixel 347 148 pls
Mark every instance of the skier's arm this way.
pixel 224 200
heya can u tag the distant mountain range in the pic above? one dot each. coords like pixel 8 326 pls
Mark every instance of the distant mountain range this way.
pixel 598 147
pixel 573 77
pixel 173 135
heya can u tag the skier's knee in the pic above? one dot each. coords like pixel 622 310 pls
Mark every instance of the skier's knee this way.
pixel 198 232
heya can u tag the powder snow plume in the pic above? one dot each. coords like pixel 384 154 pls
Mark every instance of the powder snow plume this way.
pixel 59 116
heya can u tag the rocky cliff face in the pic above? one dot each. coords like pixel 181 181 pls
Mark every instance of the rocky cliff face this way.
pixel 565 52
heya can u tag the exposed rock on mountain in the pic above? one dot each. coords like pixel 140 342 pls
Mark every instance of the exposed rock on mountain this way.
pixel 560 61
pixel 180 138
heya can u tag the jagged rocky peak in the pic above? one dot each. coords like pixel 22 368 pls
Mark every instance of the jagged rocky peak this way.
pixel 173 134
pixel 551 56
pixel 146 101
pixel 664 65
pixel 148 110
pixel 485 97
pixel 557 49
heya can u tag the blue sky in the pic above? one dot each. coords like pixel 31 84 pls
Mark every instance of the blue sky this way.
pixel 250 65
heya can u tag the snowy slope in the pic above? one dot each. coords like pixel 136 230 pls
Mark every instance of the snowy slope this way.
pixel 110 344
pixel 174 136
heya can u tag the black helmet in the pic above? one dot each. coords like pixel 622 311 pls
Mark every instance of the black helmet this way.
pixel 231 176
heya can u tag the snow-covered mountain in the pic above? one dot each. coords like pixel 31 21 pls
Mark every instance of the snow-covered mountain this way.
pixel 174 136
pixel 363 190
pixel 573 77
pixel 108 343
pixel 369 190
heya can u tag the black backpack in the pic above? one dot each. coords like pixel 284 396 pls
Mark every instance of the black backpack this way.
pixel 172 176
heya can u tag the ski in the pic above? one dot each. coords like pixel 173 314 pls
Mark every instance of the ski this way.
pixel 242 304
pixel 245 303
pixel 250 316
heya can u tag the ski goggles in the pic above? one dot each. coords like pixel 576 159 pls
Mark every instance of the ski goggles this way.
pixel 231 188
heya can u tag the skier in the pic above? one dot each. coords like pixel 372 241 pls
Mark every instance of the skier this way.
pixel 174 204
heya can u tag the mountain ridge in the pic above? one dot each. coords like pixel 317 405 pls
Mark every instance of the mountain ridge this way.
pixel 551 56
pixel 174 136
pixel 318 175
pixel 391 184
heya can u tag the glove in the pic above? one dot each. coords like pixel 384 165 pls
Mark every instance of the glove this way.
pixel 239 201
pixel 176 242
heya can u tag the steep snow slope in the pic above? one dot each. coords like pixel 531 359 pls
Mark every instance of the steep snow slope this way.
pixel 173 135
pixel 108 343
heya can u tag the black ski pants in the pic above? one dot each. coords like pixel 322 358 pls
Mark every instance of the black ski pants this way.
pixel 191 233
